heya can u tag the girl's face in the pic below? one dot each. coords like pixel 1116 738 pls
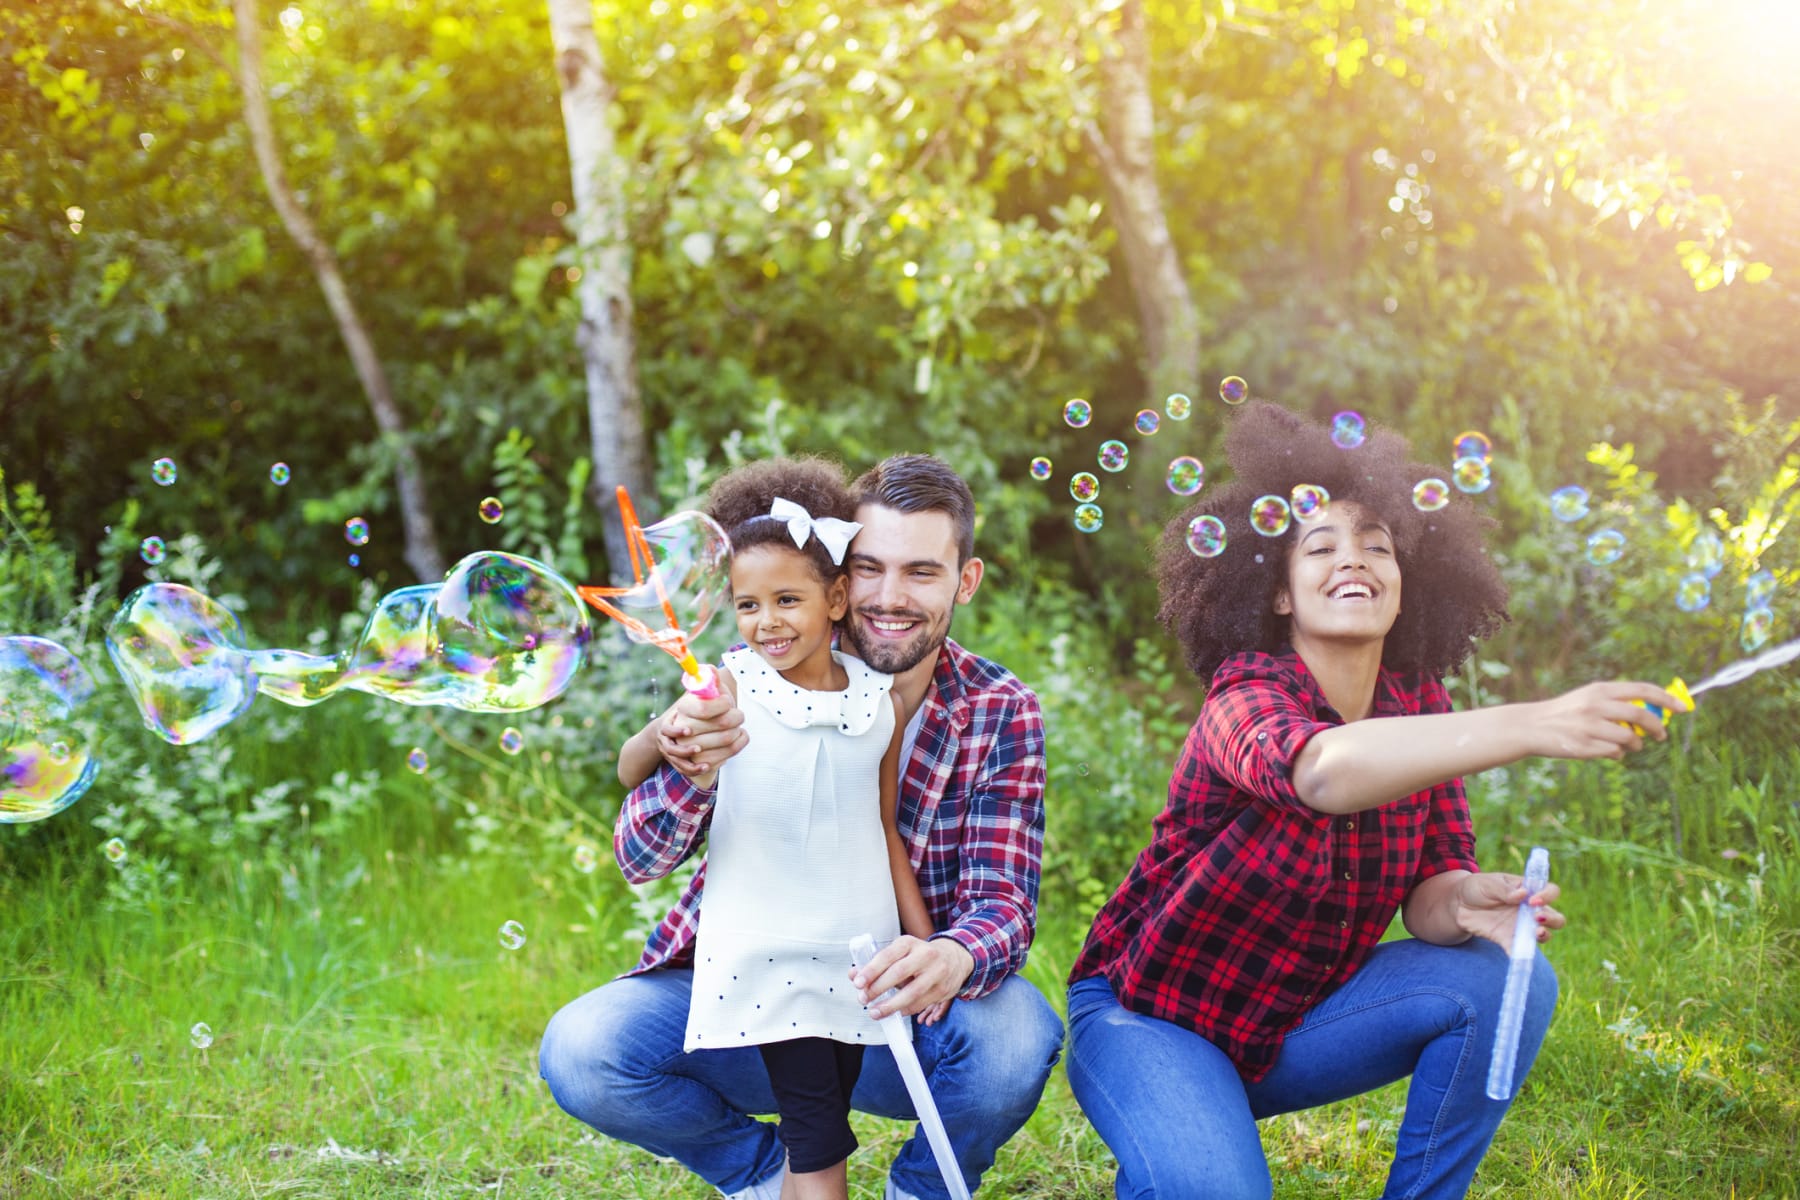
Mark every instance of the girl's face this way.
pixel 783 611
pixel 1343 579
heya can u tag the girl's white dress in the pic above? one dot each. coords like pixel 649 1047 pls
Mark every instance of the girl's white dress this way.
pixel 796 862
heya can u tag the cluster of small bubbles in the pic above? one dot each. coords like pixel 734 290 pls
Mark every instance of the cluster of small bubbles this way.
pixel 1084 486
pixel 1759 589
pixel 1429 495
pixel 1233 390
pixel 356 531
pixel 511 740
pixel 279 474
pixel 152 550
pixel 163 471
pixel 1147 421
pixel 115 850
pixel 1472 443
pixel 1309 501
pixel 1113 456
pixel 1040 468
pixel 1269 515
pixel 1759 623
pixel 417 760
pixel 1693 593
pixel 1605 547
pixel 1707 554
pixel 200 1035
pixel 1348 430
pixel 1089 518
pixel 1471 474
pixel 1206 536
pixel 1078 413
pixel 585 859
pixel 1178 406
pixel 1569 503
pixel 1186 474
pixel 492 510
pixel 512 935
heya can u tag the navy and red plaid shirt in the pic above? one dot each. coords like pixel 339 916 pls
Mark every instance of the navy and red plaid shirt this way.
pixel 971 813
pixel 1248 907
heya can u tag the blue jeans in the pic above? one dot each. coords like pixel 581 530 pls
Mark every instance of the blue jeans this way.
pixel 613 1059
pixel 1182 1122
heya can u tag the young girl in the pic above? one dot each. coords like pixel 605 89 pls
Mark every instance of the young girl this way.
pixel 803 852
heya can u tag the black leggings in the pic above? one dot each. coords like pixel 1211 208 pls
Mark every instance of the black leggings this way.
pixel 812 1079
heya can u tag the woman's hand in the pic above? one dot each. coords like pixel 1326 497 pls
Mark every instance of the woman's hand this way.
pixel 1487 905
pixel 1595 721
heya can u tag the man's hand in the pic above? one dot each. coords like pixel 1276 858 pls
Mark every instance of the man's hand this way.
pixel 928 974
pixel 697 735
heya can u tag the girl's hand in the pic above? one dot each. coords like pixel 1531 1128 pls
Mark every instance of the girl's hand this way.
pixel 1488 905
pixel 698 735
pixel 1595 721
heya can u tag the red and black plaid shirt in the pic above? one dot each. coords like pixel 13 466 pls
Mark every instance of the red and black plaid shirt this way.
pixel 1248 907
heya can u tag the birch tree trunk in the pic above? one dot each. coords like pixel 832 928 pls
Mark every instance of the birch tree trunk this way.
pixel 1126 148
pixel 421 548
pixel 608 348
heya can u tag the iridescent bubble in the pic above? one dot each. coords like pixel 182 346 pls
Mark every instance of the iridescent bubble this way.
pixel 1471 474
pixel 417 761
pixel 1605 547
pixel 1269 515
pixel 1472 443
pixel 512 935
pixel 1088 518
pixel 1707 554
pixel 152 550
pixel 693 567
pixel 1234 390
pixel 586 860
pixel 47 756
pixel 1147 421
pixel 1759 623
pixel 1078 413
pixel 201 1035
pixel 1348 430
pixel 1429 495
pixel 1759 590
pixel 115 850
pixel 1186 474
pixel 354 560
pixel 1178 406
pixel 279 474
pixel 163 471
pixel 1693 593
pixel 356 531
pixel 1569 503
pixel 1308 501
pixel 1113 456
pixel 1040 468
pixel 492 510
pixel 1084 486
pixel 1206 536
pixel 511 740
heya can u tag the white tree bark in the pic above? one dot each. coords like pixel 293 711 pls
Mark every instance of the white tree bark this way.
pixel 421 546
pixel 608 347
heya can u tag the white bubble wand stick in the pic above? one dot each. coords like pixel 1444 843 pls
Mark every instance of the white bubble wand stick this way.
pixel 1518 979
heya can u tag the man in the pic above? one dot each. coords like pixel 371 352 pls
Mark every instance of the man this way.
pixel 972 814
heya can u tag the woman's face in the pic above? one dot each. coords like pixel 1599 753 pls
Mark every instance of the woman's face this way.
pixel 1343 579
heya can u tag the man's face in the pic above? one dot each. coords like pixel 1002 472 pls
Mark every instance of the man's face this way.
pixel 904 585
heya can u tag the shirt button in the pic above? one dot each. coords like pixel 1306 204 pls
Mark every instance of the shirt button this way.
pixel 1349 824
pixel 1343 924
pixel 1306 999
pixel 1346 874
pixel 1262 737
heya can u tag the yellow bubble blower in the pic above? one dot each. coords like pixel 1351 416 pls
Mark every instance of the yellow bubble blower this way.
pixel 1675 688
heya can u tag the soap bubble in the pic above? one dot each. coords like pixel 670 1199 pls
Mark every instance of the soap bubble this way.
pixel 1078 413
pixel 1186 474
pixel 1693 593
pixel 1472 443
pixel 512 935
pixel 1234 390
pixel 1114 455
pixel 1569 503
pixel 1178 406
pixel 163 471
pixel 1269 515
pixel 115 850
pixel 1429 495
pixel 1084 486
pixel 1707 554
pixel 152 550
pixel 47 747
pixel 1605 547
pixel 1088 518
pixel 693 563
pixel 586 860
pixel 1040 468
pixel 511 740
pixel 1147 421
pixel 279 474
pixel 356 531
pixel 182 657
pixel 492 510
pixel 1206 536
pixel 1309 501
pixel 417 761
pixel 1471 474
pixel 1759 590
pixel 354 560
pixel 1759 623
pixel 1348 430
pixel 201 1035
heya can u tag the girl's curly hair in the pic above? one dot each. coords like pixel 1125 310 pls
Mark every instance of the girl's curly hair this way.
pixel 739 501
pixel 1221 606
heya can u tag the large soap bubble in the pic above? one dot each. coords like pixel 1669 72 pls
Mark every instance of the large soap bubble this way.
pixel 47 758
pixel 687 577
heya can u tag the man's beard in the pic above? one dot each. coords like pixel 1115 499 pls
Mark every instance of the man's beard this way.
pixel 892 658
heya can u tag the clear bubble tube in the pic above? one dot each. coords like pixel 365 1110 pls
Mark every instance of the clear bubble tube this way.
pixel 1518 979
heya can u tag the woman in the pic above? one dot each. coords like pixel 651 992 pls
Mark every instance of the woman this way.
pixel 1236 973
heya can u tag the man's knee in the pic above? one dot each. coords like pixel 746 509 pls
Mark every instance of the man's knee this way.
pixel 585 1057
pixel 1008 1041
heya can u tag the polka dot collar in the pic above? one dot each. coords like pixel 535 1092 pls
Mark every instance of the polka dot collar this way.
pixel 852 710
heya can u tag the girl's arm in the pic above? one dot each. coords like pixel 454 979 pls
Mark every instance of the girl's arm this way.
pixel 641 754
pixel 915 918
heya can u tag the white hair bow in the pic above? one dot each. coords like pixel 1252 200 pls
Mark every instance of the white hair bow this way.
pixel 832 533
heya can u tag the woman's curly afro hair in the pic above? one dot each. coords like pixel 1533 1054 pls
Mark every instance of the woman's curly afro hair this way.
pixel 740 501
pixel 1221 606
